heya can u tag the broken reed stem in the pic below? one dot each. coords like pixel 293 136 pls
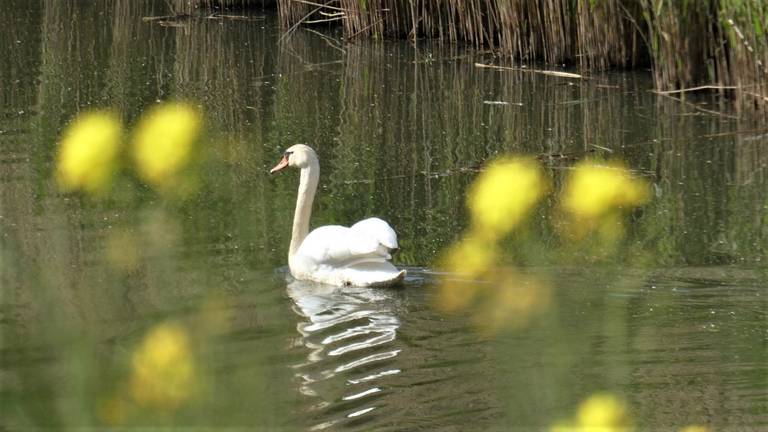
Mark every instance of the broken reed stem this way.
pixel 539 71
pixel 738 132
pixel 365 28
pixel 330 42
pixel 324 20
pixel 698 108
pixel 298 23
pixel 702 87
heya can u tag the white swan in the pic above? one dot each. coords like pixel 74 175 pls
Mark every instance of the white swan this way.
pixel 334 254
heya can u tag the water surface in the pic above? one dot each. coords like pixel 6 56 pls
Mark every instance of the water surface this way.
pixel 674 321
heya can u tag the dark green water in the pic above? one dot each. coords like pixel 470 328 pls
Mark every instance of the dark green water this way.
pixel 675 321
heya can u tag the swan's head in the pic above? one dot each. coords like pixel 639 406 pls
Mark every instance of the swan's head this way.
pixel 297 156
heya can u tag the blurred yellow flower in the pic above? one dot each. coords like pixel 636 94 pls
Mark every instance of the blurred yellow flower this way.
pixel 504 194
pixel 164 141
pixel 471 256
pixel 595 198
pixel 163 368
pixel 513 301
pixel 603 412
pixel 88 152
pixel 456 294
pixel 499 200
pixel 593 190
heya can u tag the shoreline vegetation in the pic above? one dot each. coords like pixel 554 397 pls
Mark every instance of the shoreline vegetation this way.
pixel 717 46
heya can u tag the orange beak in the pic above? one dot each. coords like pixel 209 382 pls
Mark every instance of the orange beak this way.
pixel 280 165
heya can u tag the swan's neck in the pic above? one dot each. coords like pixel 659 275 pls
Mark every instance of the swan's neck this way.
pixel 307 189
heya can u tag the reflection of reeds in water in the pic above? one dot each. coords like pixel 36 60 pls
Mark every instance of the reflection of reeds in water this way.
pixel 63 57
pixel 703 191
pixel 410 119
pixel 129 37
pixel 229 69
pixel 350 335
pixel 222 66
pixel 21 64
pixel 57 84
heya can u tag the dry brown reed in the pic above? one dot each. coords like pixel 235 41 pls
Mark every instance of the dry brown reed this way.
pixel 722 43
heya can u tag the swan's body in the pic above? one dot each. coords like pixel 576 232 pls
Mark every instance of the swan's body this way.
pixel 333 254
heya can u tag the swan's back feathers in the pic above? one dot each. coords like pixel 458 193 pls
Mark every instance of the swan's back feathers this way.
pixel 379 230
pixel 340 246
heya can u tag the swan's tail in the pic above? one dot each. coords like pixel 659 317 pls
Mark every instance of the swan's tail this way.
pixel 395 281
pixel 377 274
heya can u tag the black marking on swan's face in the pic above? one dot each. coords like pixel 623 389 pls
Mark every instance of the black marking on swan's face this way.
pixel 287 154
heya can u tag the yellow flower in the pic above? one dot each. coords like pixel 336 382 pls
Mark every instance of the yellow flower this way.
pixel 88 152
pixel 163 368
pixel 164 142
pixel 593 190
pixel 603 412
pixel 504 194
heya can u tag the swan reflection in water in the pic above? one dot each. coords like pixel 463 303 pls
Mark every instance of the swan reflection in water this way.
pixel 350 333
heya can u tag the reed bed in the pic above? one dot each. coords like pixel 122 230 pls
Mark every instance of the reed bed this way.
pixel 721 43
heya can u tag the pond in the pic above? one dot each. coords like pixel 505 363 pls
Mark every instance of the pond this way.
pixel 671 321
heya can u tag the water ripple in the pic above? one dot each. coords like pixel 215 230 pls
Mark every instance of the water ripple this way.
pixel 350 331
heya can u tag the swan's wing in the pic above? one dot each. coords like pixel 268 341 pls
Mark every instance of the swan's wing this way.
pixel 337 246
pixel 379 230
pixel 369 240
